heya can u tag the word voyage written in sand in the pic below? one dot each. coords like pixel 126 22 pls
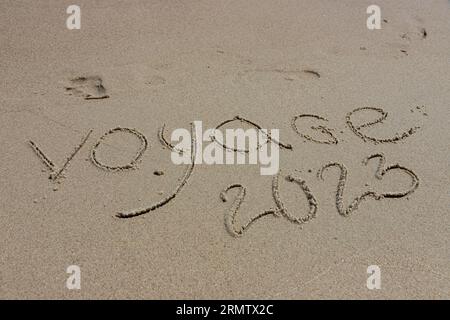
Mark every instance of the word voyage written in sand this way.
pixel 234 228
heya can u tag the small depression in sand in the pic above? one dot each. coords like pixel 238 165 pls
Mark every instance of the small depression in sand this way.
pixel 88 87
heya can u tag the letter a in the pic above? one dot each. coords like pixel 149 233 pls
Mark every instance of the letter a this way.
pixel 74 281
pixel 374 280
pixel 374 20
pixel 74 20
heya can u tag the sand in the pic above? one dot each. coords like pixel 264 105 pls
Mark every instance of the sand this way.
pixel 365 110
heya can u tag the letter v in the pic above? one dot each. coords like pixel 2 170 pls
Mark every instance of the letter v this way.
pixel 55 171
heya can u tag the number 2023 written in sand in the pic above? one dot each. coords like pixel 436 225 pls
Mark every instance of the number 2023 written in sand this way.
pixel 233 227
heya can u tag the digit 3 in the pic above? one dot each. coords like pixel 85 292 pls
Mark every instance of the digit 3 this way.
pixel 382 169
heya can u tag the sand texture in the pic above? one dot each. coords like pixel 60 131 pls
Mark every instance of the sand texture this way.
pixel 86 172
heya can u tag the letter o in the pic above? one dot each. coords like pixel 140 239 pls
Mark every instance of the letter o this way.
pixel 136 159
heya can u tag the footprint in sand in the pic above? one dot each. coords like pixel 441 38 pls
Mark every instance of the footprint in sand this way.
pixel 418 33
pixel 87 87
pixel 412 33
pixel 156 81
pixel 271 74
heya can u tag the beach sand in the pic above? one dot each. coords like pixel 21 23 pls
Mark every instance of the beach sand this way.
pixel 149 63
